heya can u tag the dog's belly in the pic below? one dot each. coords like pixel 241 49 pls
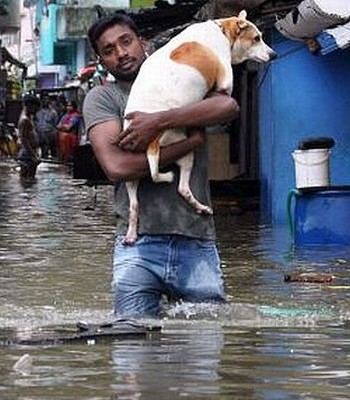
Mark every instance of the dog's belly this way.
pixel 171 136
pixel 165 84
pixel 159 89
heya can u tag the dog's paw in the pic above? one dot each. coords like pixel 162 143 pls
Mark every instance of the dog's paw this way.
pixel 129 240
pixel 205 210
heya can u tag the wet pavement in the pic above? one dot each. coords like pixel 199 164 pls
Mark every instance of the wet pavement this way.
pixel 272 340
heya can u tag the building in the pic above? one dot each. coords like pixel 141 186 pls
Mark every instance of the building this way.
pixel 62 30
pixel 12 68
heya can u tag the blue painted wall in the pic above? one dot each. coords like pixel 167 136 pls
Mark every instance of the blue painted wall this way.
pixel 301 95
pixel 48 35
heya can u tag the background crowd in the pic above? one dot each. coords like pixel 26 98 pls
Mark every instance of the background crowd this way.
pixel 47 129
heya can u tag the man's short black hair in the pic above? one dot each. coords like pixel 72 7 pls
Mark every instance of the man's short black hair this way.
pixel 104 23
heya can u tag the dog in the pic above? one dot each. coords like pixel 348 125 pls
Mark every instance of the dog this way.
pixel 194 62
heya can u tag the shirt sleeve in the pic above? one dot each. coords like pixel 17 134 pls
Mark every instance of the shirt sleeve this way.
pixel 100 105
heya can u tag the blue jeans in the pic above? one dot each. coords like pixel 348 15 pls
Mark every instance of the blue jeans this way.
pixel 157 265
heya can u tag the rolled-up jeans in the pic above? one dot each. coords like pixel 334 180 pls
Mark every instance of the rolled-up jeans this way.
pixel 156 265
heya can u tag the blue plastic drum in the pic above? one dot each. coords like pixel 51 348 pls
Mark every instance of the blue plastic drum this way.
pixel 321 216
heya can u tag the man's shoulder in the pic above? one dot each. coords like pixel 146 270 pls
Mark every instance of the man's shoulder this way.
pixel 107 89
pixel 106 96
pixel 103 103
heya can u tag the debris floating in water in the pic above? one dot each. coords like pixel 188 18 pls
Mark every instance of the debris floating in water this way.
pixel 309 277
pixel 24 364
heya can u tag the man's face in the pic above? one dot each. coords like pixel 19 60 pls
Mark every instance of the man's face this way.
pixel 45 102
pixel 32 108
pixel 121 52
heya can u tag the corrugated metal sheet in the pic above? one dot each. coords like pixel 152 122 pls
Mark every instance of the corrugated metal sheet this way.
pixel 334 39
pixel 74 22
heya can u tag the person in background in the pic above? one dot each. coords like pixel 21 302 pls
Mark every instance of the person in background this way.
pixel 60 105
pixel 68 132
pixel 175 255
pixel 46 122
pixel 27 155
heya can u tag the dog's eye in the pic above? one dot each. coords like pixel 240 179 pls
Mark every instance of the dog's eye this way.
pixel 257 39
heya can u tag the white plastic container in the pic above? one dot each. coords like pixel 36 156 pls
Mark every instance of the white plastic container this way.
pixel 311 167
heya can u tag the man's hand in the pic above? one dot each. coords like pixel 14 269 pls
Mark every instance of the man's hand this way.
pixel 143 129
pixel 197 136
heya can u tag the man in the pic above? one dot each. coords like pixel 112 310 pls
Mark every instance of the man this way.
pixel 175 254
pixel 27 154
pixel 46 121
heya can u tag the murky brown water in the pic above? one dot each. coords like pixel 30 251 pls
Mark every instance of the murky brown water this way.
pixel 273 340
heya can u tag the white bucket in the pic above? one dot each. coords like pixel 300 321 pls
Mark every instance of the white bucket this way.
pixel 311 167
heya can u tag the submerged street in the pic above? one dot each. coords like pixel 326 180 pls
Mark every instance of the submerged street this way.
pixel 272 340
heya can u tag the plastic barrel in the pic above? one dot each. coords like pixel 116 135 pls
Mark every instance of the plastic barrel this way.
pixel 321 216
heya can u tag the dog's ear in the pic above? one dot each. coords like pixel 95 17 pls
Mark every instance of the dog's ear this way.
pixel 241 21
pixel 242 15
pixel 232 27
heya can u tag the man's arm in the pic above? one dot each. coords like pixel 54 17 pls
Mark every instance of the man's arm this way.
pixel 144 127
pixel 121 165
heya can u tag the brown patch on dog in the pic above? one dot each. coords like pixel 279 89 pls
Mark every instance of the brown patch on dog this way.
pixel 153 147
pixel 234 28
pixel 202 58
pixel 231 28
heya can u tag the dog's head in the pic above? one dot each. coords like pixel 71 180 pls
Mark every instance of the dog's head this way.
pixel 245 40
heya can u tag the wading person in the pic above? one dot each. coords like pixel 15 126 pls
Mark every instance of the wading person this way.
pixel 175 254
pixel 27 155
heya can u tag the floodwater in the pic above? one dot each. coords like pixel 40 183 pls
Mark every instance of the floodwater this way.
pixel 272 340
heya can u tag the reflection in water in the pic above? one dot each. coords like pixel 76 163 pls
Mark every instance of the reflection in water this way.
pixel 286 364
pixel 189 356
pixel 272 340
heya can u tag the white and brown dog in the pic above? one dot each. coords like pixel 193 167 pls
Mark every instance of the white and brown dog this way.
pixel 191 64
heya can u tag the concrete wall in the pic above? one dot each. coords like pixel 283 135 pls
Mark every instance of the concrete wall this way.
pixel 11 22
pixel 301 95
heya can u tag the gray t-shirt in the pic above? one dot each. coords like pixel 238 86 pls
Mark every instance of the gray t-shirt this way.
pixel 162 210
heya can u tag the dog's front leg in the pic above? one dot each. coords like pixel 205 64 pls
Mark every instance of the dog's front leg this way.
pixel 131 234
pixel 224 83
pixel 185 163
